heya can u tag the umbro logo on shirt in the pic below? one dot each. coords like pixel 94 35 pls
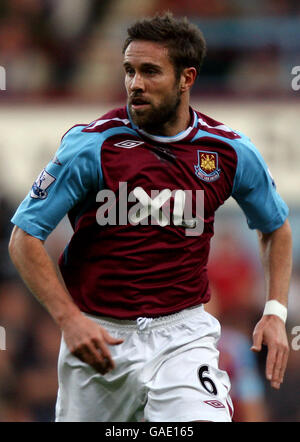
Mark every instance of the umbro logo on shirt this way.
pixel 129 144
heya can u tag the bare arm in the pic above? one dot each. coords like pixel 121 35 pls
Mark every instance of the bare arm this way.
pixel 85 339
pixel 276 254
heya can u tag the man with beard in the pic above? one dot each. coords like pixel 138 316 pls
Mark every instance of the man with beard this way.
pixel 141 185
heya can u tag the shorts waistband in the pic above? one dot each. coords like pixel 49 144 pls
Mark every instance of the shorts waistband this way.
pixel 146 323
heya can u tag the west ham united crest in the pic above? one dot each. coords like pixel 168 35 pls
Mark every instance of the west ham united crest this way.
pixel 207 168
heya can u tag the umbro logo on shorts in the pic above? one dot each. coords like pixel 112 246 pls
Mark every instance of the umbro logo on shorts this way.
pixel 129 144
pixel 215 404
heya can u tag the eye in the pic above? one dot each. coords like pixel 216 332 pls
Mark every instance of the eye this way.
pixel 129 70
pixel 151 71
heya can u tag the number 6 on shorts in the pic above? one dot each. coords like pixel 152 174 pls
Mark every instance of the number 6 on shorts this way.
pixel 206 382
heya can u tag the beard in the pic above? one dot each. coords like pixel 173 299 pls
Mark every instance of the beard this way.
pixel 153 120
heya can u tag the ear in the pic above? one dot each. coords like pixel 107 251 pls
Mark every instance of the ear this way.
pixel 187 79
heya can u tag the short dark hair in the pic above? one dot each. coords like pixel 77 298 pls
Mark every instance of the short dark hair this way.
pixel 184 40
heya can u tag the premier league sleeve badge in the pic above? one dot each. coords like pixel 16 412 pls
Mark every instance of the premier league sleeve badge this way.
pixel 41 184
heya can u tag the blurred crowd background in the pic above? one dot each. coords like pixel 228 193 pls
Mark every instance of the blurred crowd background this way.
pixel 58 49
pixel 59 54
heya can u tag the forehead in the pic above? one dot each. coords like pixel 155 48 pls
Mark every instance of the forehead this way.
pixel 140 52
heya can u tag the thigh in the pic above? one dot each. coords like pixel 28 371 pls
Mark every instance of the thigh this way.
pixel 189 386
pixel 87 396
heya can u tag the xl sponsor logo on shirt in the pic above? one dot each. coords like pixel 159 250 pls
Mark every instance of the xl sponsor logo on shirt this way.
pixel 152 210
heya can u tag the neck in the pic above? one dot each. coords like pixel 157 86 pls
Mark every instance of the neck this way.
pixel 182 122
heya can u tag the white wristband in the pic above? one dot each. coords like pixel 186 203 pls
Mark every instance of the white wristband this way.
pixel 274 307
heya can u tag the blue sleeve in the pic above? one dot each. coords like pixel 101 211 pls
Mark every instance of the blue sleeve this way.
pixel 66 180
pixel 255 191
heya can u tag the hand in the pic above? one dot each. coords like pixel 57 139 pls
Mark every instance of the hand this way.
pixel 270 330
pixel 88 341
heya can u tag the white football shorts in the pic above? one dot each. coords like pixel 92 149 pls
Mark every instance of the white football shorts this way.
pixel 166 371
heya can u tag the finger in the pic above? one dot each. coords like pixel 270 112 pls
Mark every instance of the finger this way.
pixel 257 341
pixel 270 363
pixel 275 385
pixel 280 366
pixel 284 364
pixel 275 382
pixel 110 339
pixel 104 351
pixel 92 357
pixel 100 363
pixel 114 341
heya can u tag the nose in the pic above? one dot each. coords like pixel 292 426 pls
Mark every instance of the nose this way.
pixel 137 83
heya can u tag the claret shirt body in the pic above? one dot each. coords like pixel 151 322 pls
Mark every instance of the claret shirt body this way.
pixel 142 209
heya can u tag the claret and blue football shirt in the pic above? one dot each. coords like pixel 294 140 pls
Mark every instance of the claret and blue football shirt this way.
pixel 142 209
